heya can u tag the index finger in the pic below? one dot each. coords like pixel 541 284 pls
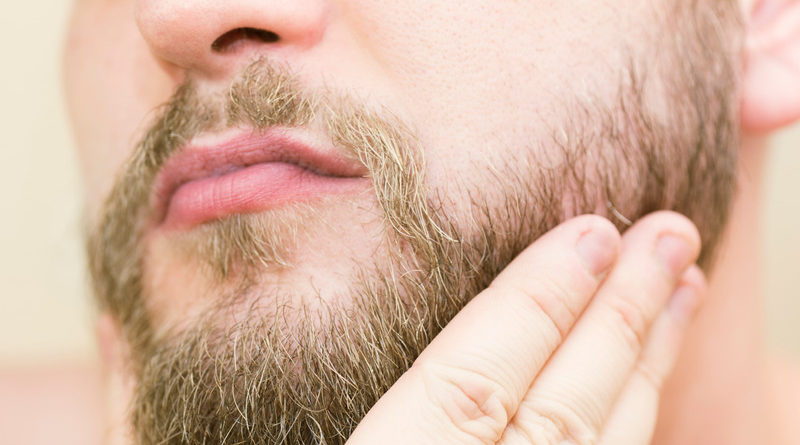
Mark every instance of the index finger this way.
pixel 468 382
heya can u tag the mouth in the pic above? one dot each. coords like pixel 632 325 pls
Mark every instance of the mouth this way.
pixel 249 173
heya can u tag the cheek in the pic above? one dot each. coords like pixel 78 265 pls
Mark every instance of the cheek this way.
pixel 485 81
pixel 112 84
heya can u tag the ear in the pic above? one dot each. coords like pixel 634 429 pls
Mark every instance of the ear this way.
pixel 771 85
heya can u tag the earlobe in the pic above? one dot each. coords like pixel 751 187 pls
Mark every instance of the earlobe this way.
pixel 770 91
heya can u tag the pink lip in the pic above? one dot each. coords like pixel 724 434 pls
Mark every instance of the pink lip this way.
pixel 249 173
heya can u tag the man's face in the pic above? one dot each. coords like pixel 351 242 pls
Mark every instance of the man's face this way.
pixel 412 149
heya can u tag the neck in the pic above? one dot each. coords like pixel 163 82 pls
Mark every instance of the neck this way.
pixel 717 394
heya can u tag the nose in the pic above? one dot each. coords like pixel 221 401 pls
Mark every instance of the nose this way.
pixel 210 38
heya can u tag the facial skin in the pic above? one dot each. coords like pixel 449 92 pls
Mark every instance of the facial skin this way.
pixel 517 116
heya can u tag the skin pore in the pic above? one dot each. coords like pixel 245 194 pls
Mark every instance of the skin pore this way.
pixel 590 124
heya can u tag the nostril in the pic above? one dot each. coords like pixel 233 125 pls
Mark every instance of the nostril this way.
pixel 231 39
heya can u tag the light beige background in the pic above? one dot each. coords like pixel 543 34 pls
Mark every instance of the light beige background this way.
pixel 45 311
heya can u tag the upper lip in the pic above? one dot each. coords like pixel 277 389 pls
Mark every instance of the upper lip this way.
pixel 196 161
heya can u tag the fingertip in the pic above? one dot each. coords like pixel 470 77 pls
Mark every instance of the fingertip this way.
pixel 688 296
pixel 668 221
pixel 577 252
pixel 599 244
pixel 677 240
pixel 596 223
pixel 694 277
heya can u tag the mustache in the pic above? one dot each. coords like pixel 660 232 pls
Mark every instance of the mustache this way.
pixel 263 95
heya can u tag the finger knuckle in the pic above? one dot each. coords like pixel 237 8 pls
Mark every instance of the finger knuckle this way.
pixel 473 403
pixel 631 320
pixel 650 374
pixel 559 293
pixel 554 422
pixel 551 297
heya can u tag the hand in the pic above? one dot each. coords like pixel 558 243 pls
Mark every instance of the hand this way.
pixel 570 344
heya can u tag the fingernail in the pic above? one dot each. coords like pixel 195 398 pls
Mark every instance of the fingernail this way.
pixel 675 252
pixel 683 303
pixel 598 250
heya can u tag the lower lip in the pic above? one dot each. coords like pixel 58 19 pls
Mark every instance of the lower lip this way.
pixel 252 189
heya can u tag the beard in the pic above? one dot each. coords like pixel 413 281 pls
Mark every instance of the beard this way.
pixel 268 367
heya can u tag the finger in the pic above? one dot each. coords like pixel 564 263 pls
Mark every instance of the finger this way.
pixel 574 394
pixel 468 383
pixel 633 417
